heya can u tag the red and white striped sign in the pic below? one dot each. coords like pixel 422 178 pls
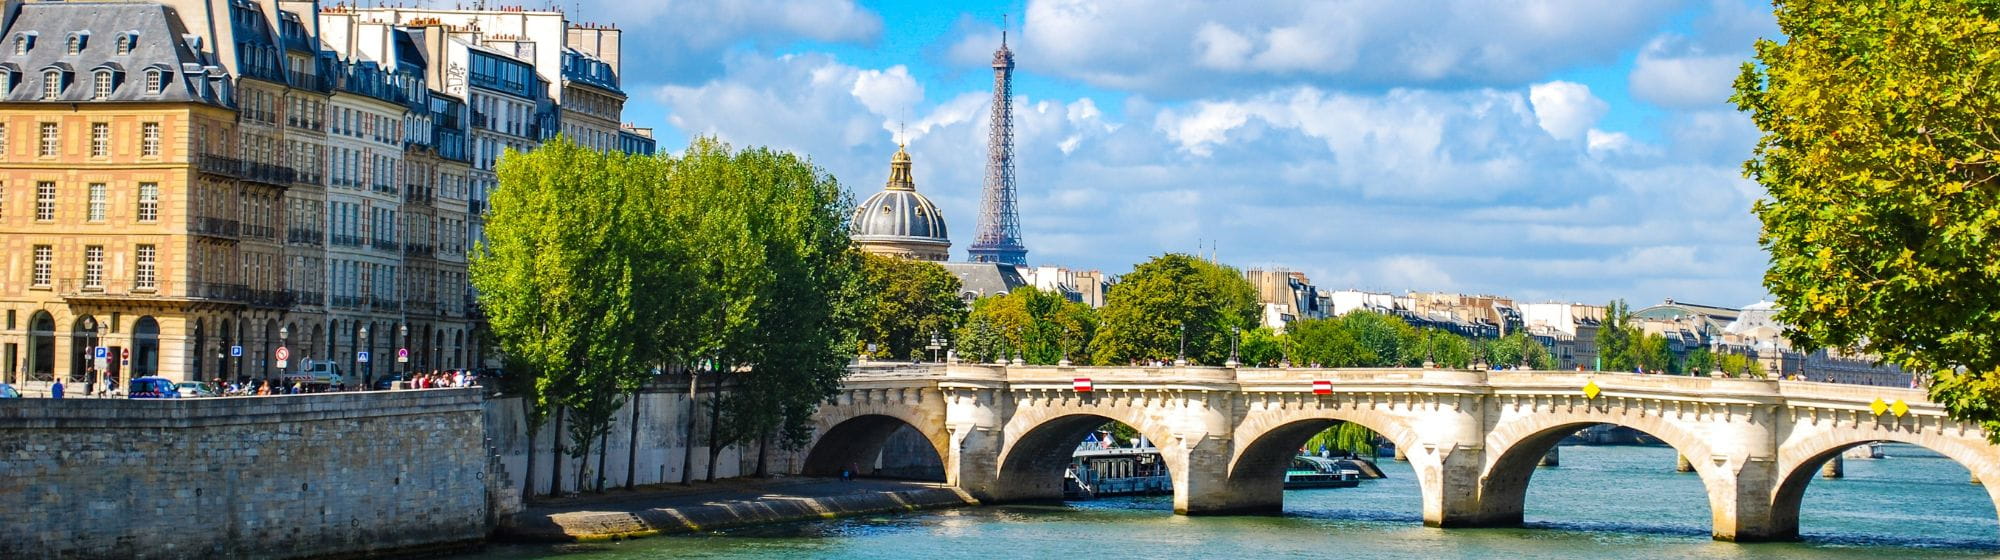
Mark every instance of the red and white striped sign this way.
pixel 1322 387
pixel 1082 384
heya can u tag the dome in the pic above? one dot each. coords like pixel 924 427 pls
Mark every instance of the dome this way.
pixel 898 221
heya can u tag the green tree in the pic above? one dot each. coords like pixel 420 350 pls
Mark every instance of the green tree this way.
pixel 908 301
pixel 1652 353
pixel 556 278
pixel 1345 436
pixel 1149 309
pixel 1040 326
pixel 1879 156
pixel 1323 343
pixel 1449 350
pixel 1262 347
pixel 1699 361
pixel 1617 339
pixel 1739 365
pixel 1384 339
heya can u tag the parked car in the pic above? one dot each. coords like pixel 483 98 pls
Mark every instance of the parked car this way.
pixel 196 389
pixel 152 388
pixel 389 382
pixel 9 392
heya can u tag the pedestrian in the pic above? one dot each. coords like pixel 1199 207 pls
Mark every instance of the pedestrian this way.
pixel 56 390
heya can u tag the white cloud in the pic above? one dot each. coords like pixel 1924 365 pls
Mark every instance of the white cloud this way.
pixel 1566 109
pixel 1184 49
pixel 1684 77
pixel 889 93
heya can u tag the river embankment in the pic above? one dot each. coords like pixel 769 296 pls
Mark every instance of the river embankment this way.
pixel 669 509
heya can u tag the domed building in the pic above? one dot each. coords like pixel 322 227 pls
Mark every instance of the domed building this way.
pixel 898 221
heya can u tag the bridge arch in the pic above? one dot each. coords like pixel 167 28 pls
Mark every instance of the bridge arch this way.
pixel 853 427
pixel 857 442
pixel 1517 444
pixel 1268 439
pixel 1042 440
pixel 1800 460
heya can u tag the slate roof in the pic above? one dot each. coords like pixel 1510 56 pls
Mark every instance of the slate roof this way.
pixel 985 279
pixel 159 41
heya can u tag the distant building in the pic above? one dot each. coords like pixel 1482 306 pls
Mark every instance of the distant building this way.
pixel 1286 296
pixel 900 222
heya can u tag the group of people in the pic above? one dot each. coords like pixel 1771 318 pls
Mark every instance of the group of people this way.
pixel 442 379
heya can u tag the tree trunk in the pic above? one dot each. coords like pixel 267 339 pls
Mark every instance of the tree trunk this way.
pixel 603 448
pixel 632 452
pixel 556 443
pixel 527 485
pixel 763 451
pixel 582 463
pixel 687 437
pixel 714 420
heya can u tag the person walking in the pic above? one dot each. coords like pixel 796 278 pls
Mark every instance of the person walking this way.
pixel 56 390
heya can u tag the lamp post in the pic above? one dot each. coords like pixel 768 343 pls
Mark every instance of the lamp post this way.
pixel 368 366
pixel 404 330
pixel 1430 358
pixel 1182 360
pixel 1235 338
pixel 284 340
pixel 937 343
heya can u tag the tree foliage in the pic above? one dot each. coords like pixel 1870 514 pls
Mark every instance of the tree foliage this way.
pixel 1147 310
pixel 1881 125
pixel 1040 326
pixel 907 302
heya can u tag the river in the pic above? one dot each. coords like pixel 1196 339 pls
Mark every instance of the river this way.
pixel 1603 502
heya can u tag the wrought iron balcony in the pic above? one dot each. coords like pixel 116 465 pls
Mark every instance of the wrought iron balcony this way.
pixel 386 245
pixel 305 297
pixel 214 227
pixel 305 236
pixel 220 165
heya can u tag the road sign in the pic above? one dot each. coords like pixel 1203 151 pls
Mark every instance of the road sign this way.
pixel 361 356
pixel 102 353
pixel 1322 387
pixel 402 355
pixel 283 355
pixel 236 351
pixel 126 352
pixel 1082 385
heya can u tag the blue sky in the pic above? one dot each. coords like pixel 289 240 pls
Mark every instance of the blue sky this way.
pixel 1549 150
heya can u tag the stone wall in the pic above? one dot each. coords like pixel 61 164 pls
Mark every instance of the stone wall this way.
pixel 251 477
pixel 663 416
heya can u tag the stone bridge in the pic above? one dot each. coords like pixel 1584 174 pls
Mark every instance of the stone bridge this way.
pixel 1005 434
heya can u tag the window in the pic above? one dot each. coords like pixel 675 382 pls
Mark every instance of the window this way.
pixel 45 201
pixel 3 139
pixel 125 43
pixel 45 257
pixel 93 266
pixel 75 44
pixel 51 83
pixel 149 143
pixel 51 139
pixel 149 202
pixel 97 202
pixel 101 87
pixel 145 276
pixel 100 139
pixel 6 82
pixel 155 83
pixel 21 43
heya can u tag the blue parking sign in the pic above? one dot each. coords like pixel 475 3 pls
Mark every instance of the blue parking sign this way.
pixel 236 351
pixel 102 352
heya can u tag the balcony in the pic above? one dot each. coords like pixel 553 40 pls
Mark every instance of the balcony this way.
pixel 387 305
pixel 107 289
pixel 209 163
pixel 423 250
pixel 267 233
pixel 303 236
pixel 344 240
pixel 269 173
pixel 214 227
pixel 386 189
pixel 270 299
pixel 218 291
pixel 345 302
pixel 386 245
pixel 419 306
pixel 303 297
pixel 417 194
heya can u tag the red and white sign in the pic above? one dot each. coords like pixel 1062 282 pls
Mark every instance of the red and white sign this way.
pixel 283 354
pixel 1082 384
pixel 1322 387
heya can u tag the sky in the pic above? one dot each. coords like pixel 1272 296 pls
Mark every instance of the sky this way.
pixel 1544 150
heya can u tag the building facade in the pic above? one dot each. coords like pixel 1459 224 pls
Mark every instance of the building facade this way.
pixel 187 186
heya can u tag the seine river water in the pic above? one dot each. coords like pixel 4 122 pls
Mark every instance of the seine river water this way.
pixel 1603 502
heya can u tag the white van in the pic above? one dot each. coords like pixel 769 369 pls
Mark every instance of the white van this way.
pixel 316 373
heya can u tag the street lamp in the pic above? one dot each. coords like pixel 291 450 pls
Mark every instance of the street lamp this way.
pixel 1182 360
pixel 404 330
pixel 1235 337
pixel 284 340
pixel 937 343
pixel 367 367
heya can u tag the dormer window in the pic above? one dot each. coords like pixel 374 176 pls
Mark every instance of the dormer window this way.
pixel 125 43
pixel 23 42
pixel 101 84
pixel 52 83
pixel 77 41
pixel 156 81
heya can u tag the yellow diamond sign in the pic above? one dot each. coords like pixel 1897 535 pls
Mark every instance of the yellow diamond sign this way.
pixel 1878 406
pixel 1899 408
pixel 1590 390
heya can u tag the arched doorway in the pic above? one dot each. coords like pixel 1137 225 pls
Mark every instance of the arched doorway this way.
pixel 224 339
pixel 266 358
pixel 145 347
pixel 200 351
pixel 314 344
pixel 458 349
pixel 41 346
pixel 875 445
pixel 83 337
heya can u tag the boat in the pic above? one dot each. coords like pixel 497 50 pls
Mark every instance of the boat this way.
pixel 1318 472
pixel 1098 469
